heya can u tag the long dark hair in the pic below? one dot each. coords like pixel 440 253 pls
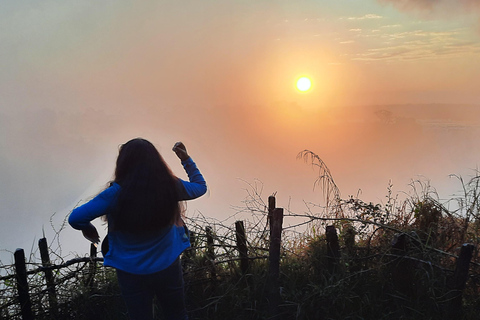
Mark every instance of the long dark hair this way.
pixel 148 197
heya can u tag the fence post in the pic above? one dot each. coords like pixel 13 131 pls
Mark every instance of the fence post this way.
pixel 192 241
pixel 349 238
pixel 210 251
pixel 271 206
pixel 350 241
pixel 457 282
pixel 333 248
pixel 22 285
pixel 190 252
pixel 402 270
pixel 274 298
pixel 49 279
pixel 242 245
pixel 93 266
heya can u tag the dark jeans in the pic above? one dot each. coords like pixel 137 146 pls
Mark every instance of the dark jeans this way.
pixel 139 290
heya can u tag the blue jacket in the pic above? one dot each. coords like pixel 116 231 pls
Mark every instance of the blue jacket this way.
pixel 139 254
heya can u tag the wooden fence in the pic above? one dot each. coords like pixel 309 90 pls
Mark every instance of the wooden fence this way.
pixel 20 276
pixel 22 296
pixel 20 279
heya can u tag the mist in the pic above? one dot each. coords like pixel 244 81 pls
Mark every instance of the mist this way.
pixel 55 160
pixel 80 79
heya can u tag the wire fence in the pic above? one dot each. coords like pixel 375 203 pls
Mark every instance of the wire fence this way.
pixel 415 251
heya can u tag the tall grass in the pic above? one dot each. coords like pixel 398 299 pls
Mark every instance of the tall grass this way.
pixel 397 260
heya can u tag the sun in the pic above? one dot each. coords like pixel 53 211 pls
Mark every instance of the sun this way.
pixel 304 84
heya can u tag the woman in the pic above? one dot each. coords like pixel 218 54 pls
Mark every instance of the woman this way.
pixel 146 233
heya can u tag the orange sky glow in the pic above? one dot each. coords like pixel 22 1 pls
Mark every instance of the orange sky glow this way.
pixel 394 96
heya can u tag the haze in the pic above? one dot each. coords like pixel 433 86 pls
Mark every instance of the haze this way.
pixel 394 97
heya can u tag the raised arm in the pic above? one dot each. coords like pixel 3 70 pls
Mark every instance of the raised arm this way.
pixel 196 186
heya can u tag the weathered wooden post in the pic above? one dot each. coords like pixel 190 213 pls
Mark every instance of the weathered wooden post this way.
pixel 457 282
pixel 22 285
pixel 274 298
pixel 93 266
pixel 403 270
pixel 192 240
pixel 333 248
pixel 242 245
pixel 210 251
pixel 349 241
pixel 271 206
pixel 49 279
pixel 190 252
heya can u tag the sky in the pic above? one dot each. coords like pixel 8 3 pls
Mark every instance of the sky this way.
pixel 394 97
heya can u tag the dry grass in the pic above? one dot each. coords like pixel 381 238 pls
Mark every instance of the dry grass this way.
pixel 371 279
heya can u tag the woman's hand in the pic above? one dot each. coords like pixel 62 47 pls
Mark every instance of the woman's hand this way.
pixel 91 234
pixel 180 151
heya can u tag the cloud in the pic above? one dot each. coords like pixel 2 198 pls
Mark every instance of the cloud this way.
pixel 419 45
pixel 391 26
pixel 446 7
pixel 366 17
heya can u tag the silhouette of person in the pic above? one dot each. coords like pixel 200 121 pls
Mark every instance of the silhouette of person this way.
pixel 146 232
